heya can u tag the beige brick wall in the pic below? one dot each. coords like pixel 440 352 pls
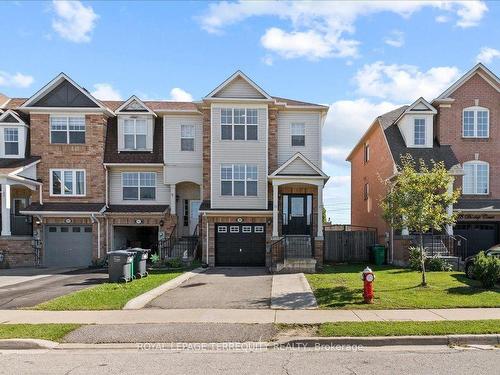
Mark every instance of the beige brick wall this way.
pixel 18 252
pixel 206 152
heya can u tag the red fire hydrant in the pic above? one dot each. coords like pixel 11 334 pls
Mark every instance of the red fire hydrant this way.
pixel 368 277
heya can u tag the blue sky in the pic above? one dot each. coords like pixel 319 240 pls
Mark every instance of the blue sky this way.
pixel 362 59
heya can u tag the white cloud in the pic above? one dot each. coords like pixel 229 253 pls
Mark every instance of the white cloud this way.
pixel 104 91
pixel 321 29
pixel 15 80
pixel 268 60
pixel 179 95
pixel 442 19
pixel 403 82
pixel 396 39
pixel 487 55
pixel 74 21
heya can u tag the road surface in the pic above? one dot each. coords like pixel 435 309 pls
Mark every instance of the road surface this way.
pixel 395 360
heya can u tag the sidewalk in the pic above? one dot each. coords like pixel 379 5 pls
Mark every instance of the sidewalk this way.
pixel 242 316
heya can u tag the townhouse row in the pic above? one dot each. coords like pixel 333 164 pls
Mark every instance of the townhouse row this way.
pixel 238 170
pixel 461 127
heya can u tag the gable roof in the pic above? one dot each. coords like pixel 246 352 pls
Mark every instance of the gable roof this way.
pixel 298 157
pixel 11 117
pixel 480 69
pixel 57 83
pixel 134 101
pixel 238 75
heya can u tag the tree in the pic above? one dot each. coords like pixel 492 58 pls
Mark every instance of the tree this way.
pixel 418 200
pixel 325 219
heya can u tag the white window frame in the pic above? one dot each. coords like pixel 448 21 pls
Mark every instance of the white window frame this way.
pixel 415 131
pixel 233 179
pixel 292 133
pixel 192 136
pixel 135 134
pixel 6 141
pixel 67 117
pixel 475 109
pixel 475 163
pixel 245 124
pixel 73 176
pixel 138 186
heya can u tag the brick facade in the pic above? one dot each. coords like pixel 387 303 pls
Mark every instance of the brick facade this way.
pixel 272 143
pixel 207 120
pixel 88 156
pixel 17 251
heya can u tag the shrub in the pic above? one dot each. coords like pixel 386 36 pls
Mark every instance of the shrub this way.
pixel 155 259
pixel 415 262
pixel 437 264
pixel 487 269
pixel 174 263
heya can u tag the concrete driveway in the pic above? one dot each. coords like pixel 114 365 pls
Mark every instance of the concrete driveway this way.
pixel 220 288
pixel 29 287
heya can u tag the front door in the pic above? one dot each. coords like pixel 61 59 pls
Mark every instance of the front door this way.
pixel 297 214
pixel 194 214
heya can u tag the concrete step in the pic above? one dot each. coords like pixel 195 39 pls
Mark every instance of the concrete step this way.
pixel 298 265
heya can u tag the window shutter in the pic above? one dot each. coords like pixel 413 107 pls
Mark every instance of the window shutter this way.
pixel 149 135
pixel 121 145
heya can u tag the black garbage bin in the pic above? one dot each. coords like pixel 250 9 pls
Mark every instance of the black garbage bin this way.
pixel 140 258
pixel 120 266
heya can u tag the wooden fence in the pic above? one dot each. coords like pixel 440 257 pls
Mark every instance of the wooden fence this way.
pixel 347 243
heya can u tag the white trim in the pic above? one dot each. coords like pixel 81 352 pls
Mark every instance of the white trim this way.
pixel 235 75
pixel 23 168
pixel 233 124
pixel 475 109
pixel 59 213
pixel 492 78
pixel 213 212
pixel 61 115
pixel 51 170
pixel 475 163
pixel 138 186
pixel 49 86
pixel 291 134
pixel 233 180
pixel 411 107
pixel 13 114
pixel 130 100
pixel 146 119
pixel 133 164
pixel 303 158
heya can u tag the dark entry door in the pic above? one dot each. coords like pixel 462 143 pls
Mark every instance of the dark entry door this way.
pixel 297 214
pixel 240 245
pixel 480 236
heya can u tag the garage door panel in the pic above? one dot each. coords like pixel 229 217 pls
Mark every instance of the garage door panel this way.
pixel 68 246
pixel 240 245
pixel 480 236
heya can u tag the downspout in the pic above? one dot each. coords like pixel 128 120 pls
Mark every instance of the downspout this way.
pixel 94 219
pixel 106 174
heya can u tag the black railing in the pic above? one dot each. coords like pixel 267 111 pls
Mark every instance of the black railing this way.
pixel 277 250
pixel 21 225
pixel 175 247
pixel 165 245
pixel 298 246
pixel 443 245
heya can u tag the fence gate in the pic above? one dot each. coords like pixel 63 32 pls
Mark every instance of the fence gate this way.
pixel 348 243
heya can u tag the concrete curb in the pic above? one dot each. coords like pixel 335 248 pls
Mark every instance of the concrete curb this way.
pixel 15 344
pixel 140 301
pixel 489 339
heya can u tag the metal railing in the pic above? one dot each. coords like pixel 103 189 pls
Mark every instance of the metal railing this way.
pixel 174 247
pixel 20 225
pixel 165 245
pixel 277 250
pixel 443 245
pixel 298 246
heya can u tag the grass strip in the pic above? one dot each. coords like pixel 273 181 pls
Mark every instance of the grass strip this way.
pixel 53 332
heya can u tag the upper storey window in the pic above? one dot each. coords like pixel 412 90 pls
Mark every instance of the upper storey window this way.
pixel 187 137
pixel 239 124
pixel 11 139
pixel 419 132
pixel 476 177
pixel 476 122
pixel 135 133
pixel 366 152
pixel 298 134
pixel 67 129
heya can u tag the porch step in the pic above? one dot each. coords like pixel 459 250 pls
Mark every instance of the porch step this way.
pixel 297 265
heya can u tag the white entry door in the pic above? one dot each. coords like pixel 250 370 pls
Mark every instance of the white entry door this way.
pixel 194 208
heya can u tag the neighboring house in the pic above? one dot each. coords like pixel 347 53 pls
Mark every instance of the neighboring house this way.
pixel 461 128
pixel 104 175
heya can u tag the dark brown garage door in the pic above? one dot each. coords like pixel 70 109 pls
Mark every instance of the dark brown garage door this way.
pixel 240 245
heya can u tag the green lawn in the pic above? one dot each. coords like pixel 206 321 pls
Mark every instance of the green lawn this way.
pixel 108 296
pixel 54 332
pixel 340 287
pixel 359 329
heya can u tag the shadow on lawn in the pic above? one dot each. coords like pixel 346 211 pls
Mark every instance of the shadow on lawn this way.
pixel 470 287
pixel 341 295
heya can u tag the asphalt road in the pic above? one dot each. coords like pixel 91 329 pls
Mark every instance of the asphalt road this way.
pixel 33 292
pixel 220 288
pixel 429 360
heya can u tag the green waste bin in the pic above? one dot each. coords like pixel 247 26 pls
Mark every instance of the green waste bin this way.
pixel 139 263
pixel 378 254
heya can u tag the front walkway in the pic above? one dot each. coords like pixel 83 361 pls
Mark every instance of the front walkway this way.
pixel 261 316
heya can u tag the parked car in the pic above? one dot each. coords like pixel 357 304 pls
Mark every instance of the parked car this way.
pixel 493 251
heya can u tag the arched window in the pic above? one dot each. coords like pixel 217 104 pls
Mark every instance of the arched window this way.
pixel 476 122
pixel 476 179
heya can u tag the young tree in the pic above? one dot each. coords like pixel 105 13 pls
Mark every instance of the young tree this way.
pixel 418 200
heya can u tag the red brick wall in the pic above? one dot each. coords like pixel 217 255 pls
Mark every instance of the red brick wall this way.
pixel 380 166
pixel 88 156
pixel 449 124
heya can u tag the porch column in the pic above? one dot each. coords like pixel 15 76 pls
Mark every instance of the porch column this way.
pixel 319 235
pixel 5 210
pixel 449 210
pixel 173 209
pixel 275 210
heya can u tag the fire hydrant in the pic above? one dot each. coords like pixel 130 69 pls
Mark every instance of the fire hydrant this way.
pixel 368 277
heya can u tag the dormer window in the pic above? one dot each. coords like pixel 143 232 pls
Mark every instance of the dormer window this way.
pixel 476 122
pixel 419 132
pixel 135 133
pixel 11 139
